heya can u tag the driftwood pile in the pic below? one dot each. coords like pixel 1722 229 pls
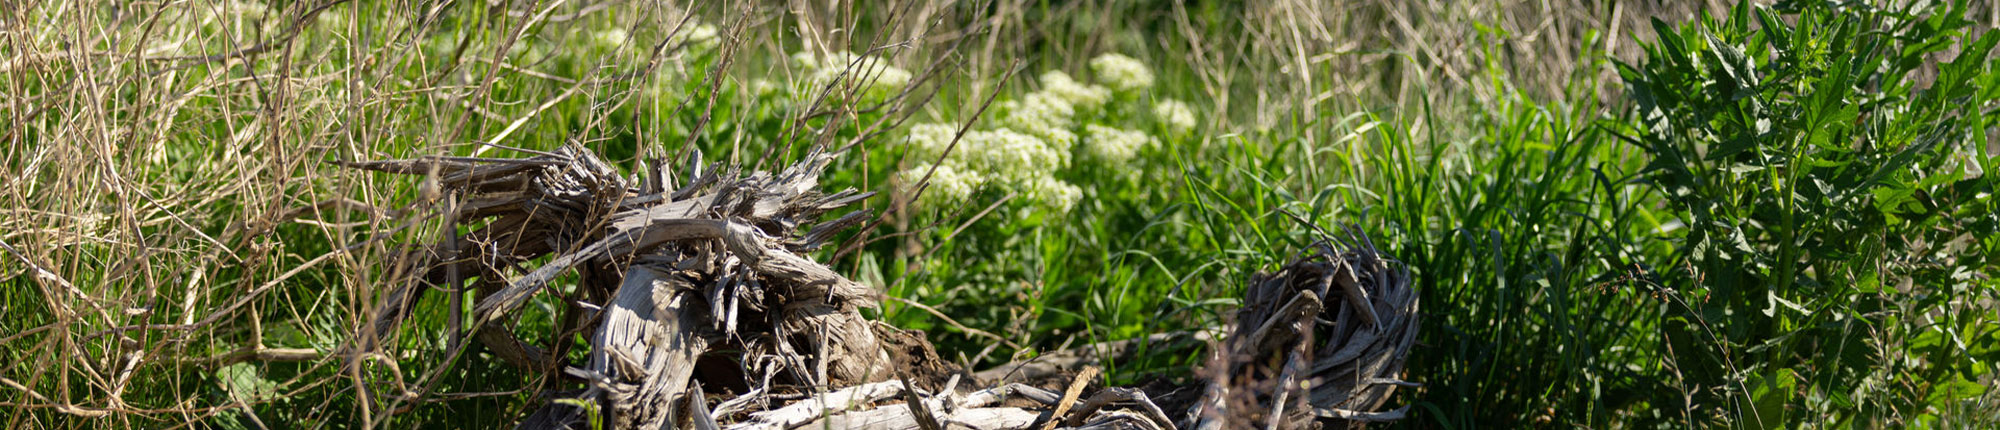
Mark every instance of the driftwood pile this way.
pixel 704 312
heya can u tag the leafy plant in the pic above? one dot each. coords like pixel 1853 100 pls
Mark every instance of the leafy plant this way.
pixel 1827 160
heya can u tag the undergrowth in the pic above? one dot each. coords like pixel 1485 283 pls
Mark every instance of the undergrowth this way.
pixel 1760 216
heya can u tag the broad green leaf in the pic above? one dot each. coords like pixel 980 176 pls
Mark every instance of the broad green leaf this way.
pixel 245 383
pixel 1769 396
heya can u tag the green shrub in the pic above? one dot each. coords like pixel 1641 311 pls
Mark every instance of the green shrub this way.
pixel 1828 162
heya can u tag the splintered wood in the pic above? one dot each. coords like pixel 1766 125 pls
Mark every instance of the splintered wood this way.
pixel 1339 325
pixel 705 288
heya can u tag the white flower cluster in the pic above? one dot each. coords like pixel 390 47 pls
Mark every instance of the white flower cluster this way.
pixel 1043 115
pixel 928 141
pixel 695 35
pixel 1053 193
pixel 1062 86
pixel 1049 114
pixel 1113 145
pixel 1009 155
pixel 1122 73
pixel 1032 137
pixel 948 185
pixel 252 9
pixel 699 36
pixel 763 88
pixel 610 39
pixel 1001 157
pixel 1175 114
pixel 872 76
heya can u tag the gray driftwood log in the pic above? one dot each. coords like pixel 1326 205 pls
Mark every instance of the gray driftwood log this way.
pixel 675 273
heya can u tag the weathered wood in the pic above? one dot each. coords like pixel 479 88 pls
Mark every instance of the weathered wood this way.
pixel 899 417
pixel 811 408
pixel 995 395
pixel 925 418
pixel 702 418
pixel 1070 396
pixel 1352 359
pixel 813 281
pixel 1119 420
pixel 646 348
pixel 841 343
pixel 1062 361
pixel 1362 374
pixel 1112 395
pixel 511 349
pixel 625 242
pixel 847 409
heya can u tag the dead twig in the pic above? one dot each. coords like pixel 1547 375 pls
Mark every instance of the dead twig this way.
pixel 1069 397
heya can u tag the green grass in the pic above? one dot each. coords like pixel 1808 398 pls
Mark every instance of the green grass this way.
pixel 1772 216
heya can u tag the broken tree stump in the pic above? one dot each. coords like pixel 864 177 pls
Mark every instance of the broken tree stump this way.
pixel 673 279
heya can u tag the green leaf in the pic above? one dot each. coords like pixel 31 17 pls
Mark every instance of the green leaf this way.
pixel 869 272
pixel 245 383
pixel 1732 147
pixel 1954 389
pixel 1769 395
pixel 1775 301
pixel 1742 76
pixel 1672 46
